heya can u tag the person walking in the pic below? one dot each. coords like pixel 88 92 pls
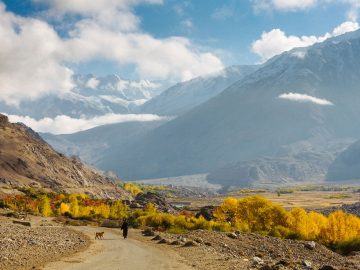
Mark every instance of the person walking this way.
pixel 125 228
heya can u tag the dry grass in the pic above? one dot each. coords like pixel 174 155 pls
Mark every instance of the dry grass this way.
pixel 304 199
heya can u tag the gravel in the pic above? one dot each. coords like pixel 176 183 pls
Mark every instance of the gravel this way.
pixel 24 247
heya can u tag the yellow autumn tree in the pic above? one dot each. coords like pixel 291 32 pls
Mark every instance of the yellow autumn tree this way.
pixel 64 208
pixel 341 227
pixel 118 210
pixel 74 205
pixel 44 206
pixel 134 189
pixel 150 208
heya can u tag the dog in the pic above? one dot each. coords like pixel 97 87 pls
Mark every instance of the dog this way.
pixel 99 235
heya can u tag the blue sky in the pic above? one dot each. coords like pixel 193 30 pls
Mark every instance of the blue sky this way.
pixel 231 31
pixel 162 40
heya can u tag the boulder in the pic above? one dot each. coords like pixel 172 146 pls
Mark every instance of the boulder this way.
pixel 232 235
pixel 327 267
pixel 206 212
pixel 164 241
pixel 24 223
pixel 191 243
pixel 4 120
pixel 148 232
pixel 310 245
pixel 156 238
pixel 257 261
pixel 307 264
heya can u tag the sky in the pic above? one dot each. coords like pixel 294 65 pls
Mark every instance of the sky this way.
pixel 43 43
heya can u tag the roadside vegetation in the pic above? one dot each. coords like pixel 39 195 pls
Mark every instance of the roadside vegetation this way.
pixel 338 230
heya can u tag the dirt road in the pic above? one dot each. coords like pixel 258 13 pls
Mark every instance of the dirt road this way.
pixel 115 253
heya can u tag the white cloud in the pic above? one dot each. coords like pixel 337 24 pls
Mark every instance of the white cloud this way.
pixel 299 5
pixel 35 60
pixel 92 83
pixel 345 27
pixel 305 98
pixel 223 13
pixel 29 60
pixel 187 24
pixel 63 124
pixel 276 41
pixel 286 5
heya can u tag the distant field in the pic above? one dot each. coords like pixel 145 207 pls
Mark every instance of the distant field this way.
pixel 305 199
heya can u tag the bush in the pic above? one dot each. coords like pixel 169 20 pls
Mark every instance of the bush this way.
pixel 346 247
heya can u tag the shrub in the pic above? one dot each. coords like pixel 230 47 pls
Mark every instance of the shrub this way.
pixel 346 247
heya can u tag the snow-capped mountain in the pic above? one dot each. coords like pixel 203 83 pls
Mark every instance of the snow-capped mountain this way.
pixel 91 96
pixel 304 95
pixel 184 96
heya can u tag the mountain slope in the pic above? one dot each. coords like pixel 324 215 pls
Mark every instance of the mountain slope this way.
pixel 249 121
pixel 91 144
pixel 346 166
pixel 26 160
pixel 184 96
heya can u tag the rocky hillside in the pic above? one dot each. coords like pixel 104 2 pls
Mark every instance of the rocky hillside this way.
pixel 207 250
pixel 26 160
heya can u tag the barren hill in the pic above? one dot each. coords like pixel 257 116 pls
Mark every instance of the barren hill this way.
pixel 27 161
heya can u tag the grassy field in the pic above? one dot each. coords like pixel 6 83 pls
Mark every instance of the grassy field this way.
pixel 307 199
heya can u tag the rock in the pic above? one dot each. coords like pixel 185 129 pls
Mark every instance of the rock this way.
pixel 164 241
pixel 206 212
pixel 232 235
pixel 327 267
pixel 156 238
pixel 237 232
pixel 135 205
pixel 33 242
pixel 159 201
pixel 24 223
pixel 175 242
pixel 191 243
pixel 149 232
pixel 257 261
pixel 4 120
pixel 266 267
pixel 310 245
pixel 283 262
pixel 307 264
pixel 182 239
pixel 208 244
pixel 199 240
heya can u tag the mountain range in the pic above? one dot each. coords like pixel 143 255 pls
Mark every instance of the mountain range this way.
pixel 305 95
pixel 287 120
pixel 91 96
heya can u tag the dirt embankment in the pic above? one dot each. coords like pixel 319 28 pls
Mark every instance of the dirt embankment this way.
pixel 23 247
pixel 206 250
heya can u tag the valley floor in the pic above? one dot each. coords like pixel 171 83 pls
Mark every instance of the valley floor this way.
pixel 51 247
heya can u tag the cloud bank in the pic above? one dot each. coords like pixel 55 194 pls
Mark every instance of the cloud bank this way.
pixel 305 98
pixel 276 41
pixel 35 58
pixel 64 124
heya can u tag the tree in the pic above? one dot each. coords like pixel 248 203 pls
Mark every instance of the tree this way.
pixel 44 206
